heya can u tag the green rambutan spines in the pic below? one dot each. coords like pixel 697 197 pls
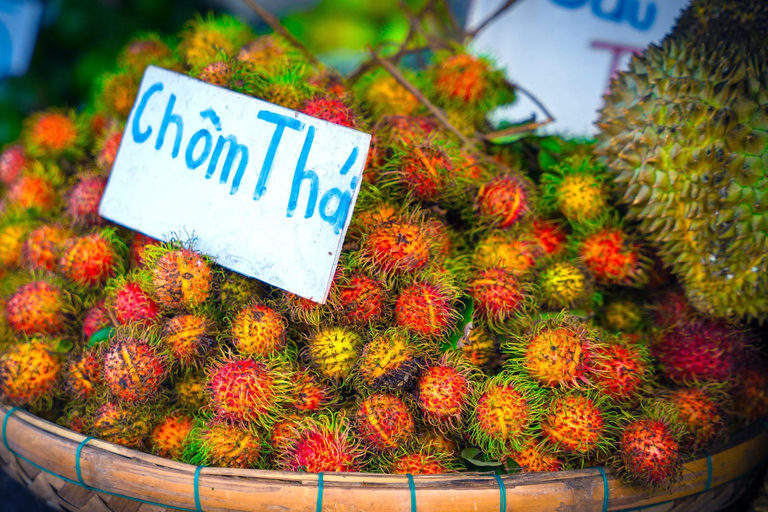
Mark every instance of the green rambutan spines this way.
pixel 134 366
pixel 499 295
pixel 220 71
pixel 444 392
pixel 90 261
pixel 83 374
pixel 144 50
pixel 564 284
pixel 30 372
pixel 305 311
pixel 42 248
pixel 247 390
pixel 323 443
pixel 416 459
pixel 169 437
pixel 235 291
pixel 13 234
pixel 41 306
pixel 308 393
pixel 576 188
pixel 54 133
pixel 381 94
pixel 427 305
pixel 178 277
pixel 189 391
pixel 129 303
pixel 333 352
pixel 536 456
pixel 505 412
pixel 505 200
pixel 258 331
pixel 622 314
pixel 215 443
pixel 189 338
pixel 384 422
pixel 123 424
pixel 269 55
pixel 203 38
pixel 288 88
pixel 391 359
pixel 556 353
pixel 620 369
pixel 578 423
pixel 117 92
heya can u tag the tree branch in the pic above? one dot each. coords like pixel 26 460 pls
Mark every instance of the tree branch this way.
pixel 487 21
pixel 274 23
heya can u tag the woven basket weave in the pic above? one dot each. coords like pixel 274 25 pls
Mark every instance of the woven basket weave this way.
pixel 75 473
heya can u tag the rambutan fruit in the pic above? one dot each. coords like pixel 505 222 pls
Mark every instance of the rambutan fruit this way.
pixel 576 424
pixel 267 55
pixel 118 91
pixel 218 72
pixel 702 350
pixel 144 50
pixel 436 442
pixel 750 392
pixel 180 278
pixel 284 433
pixel 504 201
pixel 29 373
pixel 323 444
pixel 576 188
pixel 258 331
pixel 503 415
pixel 536 457
pixel 127 425
pixel 189 392
pixel 333 351
pixel 360 300
pixel 424 170
pixel 419 461
pixel 95 319
pixel 135 367
pixel 106 149
pixel 620 370
pixel 498 294
pixel 671 308
pixel 203 38
pixel 517 254
pixel 557 352
pixel 169 436
pixel 391 359
pixel 129 303
pixel 443 394
pixel 480 348
pixel 622 314
pixel 76 418
pixel 12 237
pixel 649 453
pixel 308 393
pixel 332 110
pixel 139 243
pixel 550 235
pixel 54 133
pixel 13 160
pixel 427 306
pixel 700 413
pixel 384 422
pixel 372 209
pixel 405 130
pixel 43 246
pixel 235 291
pixel 38 307
pixel 91 260
pixel 221 444
pixel 613 257
pixel 304 310
pixel 383 95
pixel 83 374
pixel 242 389
pixel 32 193
pixel 83 199
pixel 565 284
pixel 287 87
pixel 468 80
pixel 188 338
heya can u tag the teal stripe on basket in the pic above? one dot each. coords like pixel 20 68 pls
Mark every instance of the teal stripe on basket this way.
pixel 319 507
pixel 77 460
pixel 709 472
pixel 413 492
pixel 606 491
pixel 502 493
pixel 5 425
pixel 197 489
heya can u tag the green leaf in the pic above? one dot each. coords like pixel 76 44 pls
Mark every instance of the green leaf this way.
pixel 466 310
pixel 99 336
pixel 470 455
pixel 64 346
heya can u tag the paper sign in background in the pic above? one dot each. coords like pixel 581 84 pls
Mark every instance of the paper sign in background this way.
pixel 179 172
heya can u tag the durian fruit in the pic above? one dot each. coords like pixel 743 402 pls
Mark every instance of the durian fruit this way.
pixel 684 133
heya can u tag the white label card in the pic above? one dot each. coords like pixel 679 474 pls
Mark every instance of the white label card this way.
pixel 266 191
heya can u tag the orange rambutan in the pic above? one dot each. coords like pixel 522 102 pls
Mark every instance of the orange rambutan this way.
pixel 498 294
pixel 221 444
pixel 168 437
pixel 323 444
pixel 126 425
pixel 361 300
pixel 259 331
pixel 330 109
pixel 91 260
pixel 309 394
pixel 53 133
pixel 106 149
pixel 83 374
pixel 139 243
pixel 575 424
pixel 134 367
pixel 83 199
pixel 28 373
pixel 535 457
pixel 131 304
pixel 384 422
pixel 13 160
pixel 461 78
pixel 443 395
pixel 31 192
pixel 38 307
pixel 427 307
pixel 397 246
pixel 43 246
pixel 12 237
pixel 503 201
pixel 613 258
pixel 180 278
pixel 188 338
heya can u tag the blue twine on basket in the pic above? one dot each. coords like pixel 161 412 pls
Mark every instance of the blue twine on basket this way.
pixel 606 492
pixel 413 492
pixel 319 507
pixel 502 493
pixel 197 489
pixel 77 461
pixel 5 425
pixel 709 472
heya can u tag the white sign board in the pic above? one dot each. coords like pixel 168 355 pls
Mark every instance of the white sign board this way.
pixel 565 51
pixel 19 22
pixel 266 191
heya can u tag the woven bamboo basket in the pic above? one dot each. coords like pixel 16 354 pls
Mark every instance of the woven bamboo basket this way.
pixel 75 473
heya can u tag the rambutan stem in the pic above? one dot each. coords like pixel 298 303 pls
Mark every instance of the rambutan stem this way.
pixel 275 24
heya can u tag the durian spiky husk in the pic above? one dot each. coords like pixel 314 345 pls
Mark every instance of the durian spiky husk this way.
pixel 685 131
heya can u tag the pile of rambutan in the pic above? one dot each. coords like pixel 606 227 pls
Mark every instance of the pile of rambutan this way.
pixel 484 307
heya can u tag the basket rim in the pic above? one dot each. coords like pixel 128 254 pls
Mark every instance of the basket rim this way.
pixel 81 460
